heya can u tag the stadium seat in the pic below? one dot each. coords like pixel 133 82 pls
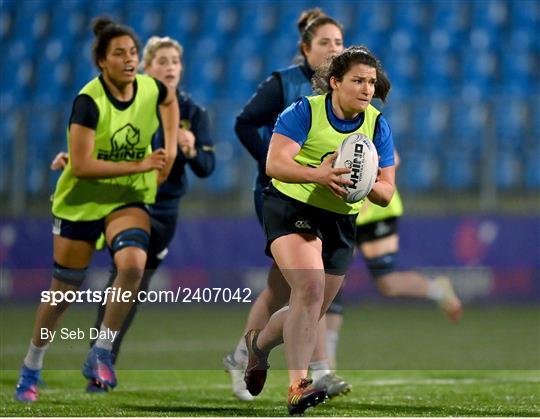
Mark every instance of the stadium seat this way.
pixel 144 19
pixel 430 124
pixel 259 18
pixel 460 170
pixel 511 122
pixel 68 20
pixel 532 168
pixel 492 14
pixel 418 170
pixel 182 22
pixel 508 175
pixel 469 122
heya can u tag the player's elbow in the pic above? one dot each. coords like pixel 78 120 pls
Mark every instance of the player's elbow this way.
pixel 272 168
pixel 79 170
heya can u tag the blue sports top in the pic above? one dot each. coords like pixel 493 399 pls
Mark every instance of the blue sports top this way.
pixel 295 123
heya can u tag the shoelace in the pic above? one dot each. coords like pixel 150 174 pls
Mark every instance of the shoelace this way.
pixel 304 383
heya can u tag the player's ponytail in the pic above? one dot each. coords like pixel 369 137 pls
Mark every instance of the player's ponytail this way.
pixel 105 29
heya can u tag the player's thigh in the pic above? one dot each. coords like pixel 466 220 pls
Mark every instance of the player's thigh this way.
pixel 379 247
pixel 75 254
pixel 278 286
pixel 300 261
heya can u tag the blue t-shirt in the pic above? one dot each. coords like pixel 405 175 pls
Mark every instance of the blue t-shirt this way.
pixel 295 122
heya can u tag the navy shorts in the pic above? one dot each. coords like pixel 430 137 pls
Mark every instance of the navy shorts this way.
pixel 284 215
pixel 86 230
pixel 376 230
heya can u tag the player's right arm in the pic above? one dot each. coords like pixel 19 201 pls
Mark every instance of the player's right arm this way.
pixel 281 165
pixel 85 166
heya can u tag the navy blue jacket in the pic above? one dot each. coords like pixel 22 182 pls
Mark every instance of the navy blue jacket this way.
pixel 194 118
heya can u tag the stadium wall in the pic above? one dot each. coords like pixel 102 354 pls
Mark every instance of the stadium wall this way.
pixel 487 258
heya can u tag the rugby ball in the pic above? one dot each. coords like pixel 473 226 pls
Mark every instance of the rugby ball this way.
pixel 358 153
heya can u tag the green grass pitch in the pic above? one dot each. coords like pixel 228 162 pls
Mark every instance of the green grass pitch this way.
pixel 402 360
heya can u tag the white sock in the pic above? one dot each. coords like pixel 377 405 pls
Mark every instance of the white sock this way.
pixel 319 369
pixel 332 338
pixel 240 353
pixel 107 341
pixel 34 356
pixel 435 291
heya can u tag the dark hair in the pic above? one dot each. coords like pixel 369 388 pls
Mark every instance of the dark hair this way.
pixel 309 22
pixel 105 29
pixel 340 64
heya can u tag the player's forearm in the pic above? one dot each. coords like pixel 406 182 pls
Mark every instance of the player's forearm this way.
pixel 287 170
pixel 101 169
pixel 382 193
pixel 170 115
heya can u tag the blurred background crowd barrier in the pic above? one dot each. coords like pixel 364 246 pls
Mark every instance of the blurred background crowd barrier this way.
pixel 464 109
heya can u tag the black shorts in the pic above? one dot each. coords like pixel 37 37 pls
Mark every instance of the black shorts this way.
pixel 86 230
pixel 376 230
pixel 283 215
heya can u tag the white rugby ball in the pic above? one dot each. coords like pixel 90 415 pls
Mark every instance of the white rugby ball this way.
pixel 358 153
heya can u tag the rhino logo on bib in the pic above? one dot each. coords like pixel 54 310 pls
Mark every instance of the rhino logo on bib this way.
pixel 123 145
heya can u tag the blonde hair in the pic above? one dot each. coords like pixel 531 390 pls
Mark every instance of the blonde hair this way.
pixel 157 42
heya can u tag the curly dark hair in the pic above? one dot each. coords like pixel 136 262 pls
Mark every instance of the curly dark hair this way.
pixel 105 29
pixel 340 64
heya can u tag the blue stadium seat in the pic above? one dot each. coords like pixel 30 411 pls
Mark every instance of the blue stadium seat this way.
pixel 399 117
pixel 418 170
pixel 258 18
pixel 221 19
pixel 518 72
pixel 181 20
pixel 36 173
pixel 450 15
pixel 460 170
pixel 508 173
pixel 111 8
pixel 83 69
pixel 469 124
pixel 535 118
pixel 431 123
pixel 491 14
pixel 21 48
pixel 511 122
pixel 525 15
pixel 532 168
pixel 412 16
pixel 68 20
pixel 403 70
pixel 144 18
pixel 6 23
pixel 288 15
pixel 41 127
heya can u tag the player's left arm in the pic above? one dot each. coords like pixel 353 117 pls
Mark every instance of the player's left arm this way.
pixel 384 186
pixel 204 161
pixel 170 115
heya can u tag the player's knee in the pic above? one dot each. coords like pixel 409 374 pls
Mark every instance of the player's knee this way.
pixel 71 278
pixel 310 292
pixel 381 266
pixel 129 248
